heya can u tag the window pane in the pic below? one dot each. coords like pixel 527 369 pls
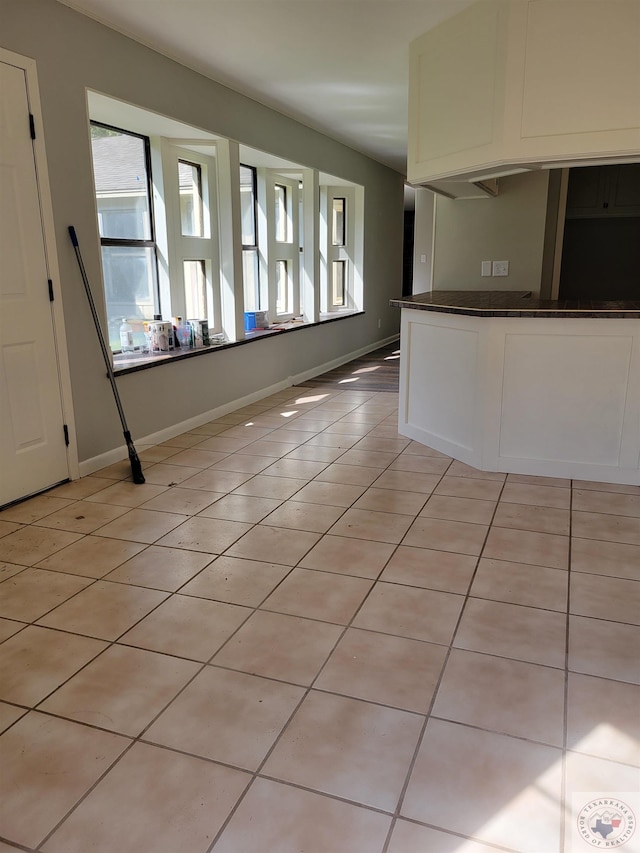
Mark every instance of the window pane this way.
pixel 282 285
pixel 122 187
pixel 195 290
pixel 190 184
pixel 251 280
pixel 247 205
pixel 129 284
pixel 337 222
pixel 281 214
pixel 301 217
pixel 338 271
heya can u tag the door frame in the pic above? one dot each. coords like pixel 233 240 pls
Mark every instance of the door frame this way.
pixel 562 212
pixel 29 67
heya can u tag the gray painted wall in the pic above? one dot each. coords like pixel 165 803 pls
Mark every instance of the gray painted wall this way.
pixel 423 240
pixel 509 227
pixel 74 53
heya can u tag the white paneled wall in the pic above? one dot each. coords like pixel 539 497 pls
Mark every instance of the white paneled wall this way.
pixel 546 396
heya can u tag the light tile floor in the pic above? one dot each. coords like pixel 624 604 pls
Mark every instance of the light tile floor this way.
pixel 305 632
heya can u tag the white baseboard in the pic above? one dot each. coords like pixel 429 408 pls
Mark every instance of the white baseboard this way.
pixel 117 454
pixel 338 362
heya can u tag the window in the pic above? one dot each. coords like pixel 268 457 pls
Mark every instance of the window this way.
pixel 338 240
pixel 250 261
pixel 171 238
pixel 190 278
pixel 281 217
pixel 125 220
pixel 279 245
pixel 191 208
pixel 338 275
pixel 338 222
pixel 195 287
pixel 283 300
pixel 340 249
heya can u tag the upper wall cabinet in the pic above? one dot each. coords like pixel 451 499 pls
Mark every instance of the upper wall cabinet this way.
pixel 511 85
pixel 604 191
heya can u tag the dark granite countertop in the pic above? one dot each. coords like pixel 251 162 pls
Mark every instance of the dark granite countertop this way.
pixel 520 303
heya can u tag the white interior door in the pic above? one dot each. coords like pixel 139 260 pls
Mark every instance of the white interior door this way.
pixel 33 451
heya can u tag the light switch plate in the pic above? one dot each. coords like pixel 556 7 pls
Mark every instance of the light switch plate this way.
pixel 500 268
pixel 485 268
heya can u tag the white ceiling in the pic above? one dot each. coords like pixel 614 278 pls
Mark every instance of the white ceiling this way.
pixel 340 66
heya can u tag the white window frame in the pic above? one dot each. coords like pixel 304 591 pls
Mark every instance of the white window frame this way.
pixel 150 244
pixel 181 248
pixel 347 253
pixel 252 248
pixel 272 251
pixel 307 252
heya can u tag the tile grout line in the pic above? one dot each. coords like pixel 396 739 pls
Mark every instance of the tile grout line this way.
pixel 429 712
pixel 256 608
pixel 287 723
pixel 257 773
pixel 565 716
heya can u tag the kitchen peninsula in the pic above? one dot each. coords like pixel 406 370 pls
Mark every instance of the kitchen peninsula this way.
pixel 508 382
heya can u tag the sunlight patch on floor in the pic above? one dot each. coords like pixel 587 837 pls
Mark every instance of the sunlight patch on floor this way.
pixel 314 398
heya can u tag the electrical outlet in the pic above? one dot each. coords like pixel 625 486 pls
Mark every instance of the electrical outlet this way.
pixel 485 268
pixel 500 268
pixel 423 259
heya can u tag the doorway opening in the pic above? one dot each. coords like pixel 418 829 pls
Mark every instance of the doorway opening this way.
pixel 601 239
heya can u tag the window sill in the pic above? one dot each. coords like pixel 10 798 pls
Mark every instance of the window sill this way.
pixel 134 362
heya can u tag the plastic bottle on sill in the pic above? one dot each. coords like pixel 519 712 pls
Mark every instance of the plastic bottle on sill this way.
pixel 147 346
pixel 126 336
pixel 185 337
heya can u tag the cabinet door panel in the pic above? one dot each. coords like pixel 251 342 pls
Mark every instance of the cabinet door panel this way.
pixel 624 190
pixel 586 193
pixel 582 69
pixel 604 191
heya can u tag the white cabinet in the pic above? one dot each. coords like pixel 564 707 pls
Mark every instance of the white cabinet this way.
pixel 554 397
pixel 456 93
pixel 509 85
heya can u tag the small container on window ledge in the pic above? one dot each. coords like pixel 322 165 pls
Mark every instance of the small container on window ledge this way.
pixel 161 335
pixel 185 334
pixel 200 332
pixel 126 336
